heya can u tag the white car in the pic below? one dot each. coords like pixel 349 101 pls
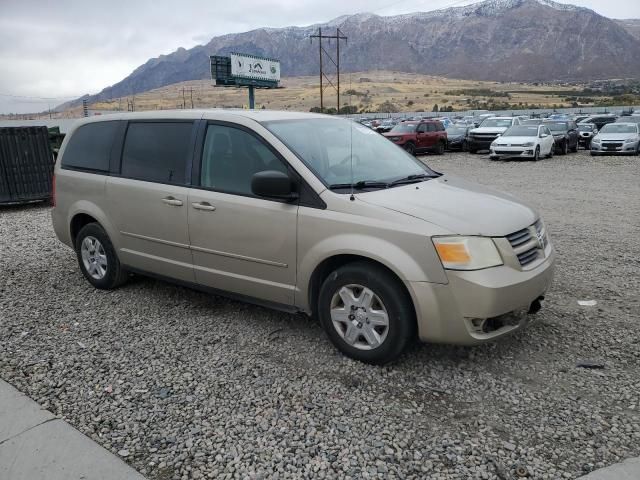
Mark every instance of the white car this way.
pixel 523 141
pixel 480 138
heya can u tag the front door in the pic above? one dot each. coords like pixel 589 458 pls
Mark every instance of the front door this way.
pixel 241 243
pixel 148 201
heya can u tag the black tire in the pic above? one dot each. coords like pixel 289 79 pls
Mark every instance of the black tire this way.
pixel 397 303
pixel 565 148
pixel 440 148
pixel 114 275
pixel 465 146
pixel 536 154
pixel 473 151
pixel 574 149
pixel 410 148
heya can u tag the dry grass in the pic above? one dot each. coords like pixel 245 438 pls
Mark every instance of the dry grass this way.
pixel 302 93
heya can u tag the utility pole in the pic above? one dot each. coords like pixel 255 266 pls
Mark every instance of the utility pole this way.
pixel 191 93
pixel 338 37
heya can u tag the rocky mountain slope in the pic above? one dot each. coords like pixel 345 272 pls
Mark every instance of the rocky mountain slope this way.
pixel 631 25
pixel 504 40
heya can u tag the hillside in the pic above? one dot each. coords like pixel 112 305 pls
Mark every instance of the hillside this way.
pixel 501 40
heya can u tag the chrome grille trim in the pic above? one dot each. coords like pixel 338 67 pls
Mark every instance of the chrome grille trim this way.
pixel 529 243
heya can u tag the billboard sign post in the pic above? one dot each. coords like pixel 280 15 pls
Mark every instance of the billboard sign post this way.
pixel 242 70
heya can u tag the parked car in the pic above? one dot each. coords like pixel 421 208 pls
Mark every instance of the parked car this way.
pixel 457 137
pixel 419 136
pixel 480 138
pixel 629 119
pixel 478 119
pixel 386 125
pixel 617 138
pixel 586 131
pixel 304 213
pixel 565 135
pixel 530 142
pixel 580 118
pixel 532 121
pixel 600 120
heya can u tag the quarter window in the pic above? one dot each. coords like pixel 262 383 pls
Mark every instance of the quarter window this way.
pixel 157 151
pixel 89 147
pixel 231 157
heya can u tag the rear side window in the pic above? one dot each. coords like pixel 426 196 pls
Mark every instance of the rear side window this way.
pixel 431 127
pixel 157 151
pixel 89 147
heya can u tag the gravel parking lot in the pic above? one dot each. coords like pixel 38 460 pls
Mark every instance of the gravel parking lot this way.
pixel 186 385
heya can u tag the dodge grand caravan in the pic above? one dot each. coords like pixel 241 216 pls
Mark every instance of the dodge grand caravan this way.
pixel 305 213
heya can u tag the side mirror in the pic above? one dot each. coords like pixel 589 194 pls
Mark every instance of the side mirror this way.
pixel 543 135
pixel 273 184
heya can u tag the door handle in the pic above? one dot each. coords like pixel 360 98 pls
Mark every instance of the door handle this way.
pixel 203 206
pixel 172 201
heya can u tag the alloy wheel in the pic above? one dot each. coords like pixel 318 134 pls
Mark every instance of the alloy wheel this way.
pixel 94 257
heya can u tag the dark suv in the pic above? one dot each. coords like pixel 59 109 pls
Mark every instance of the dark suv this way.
pixel 565 135
pixel 599 120
pixel 419 136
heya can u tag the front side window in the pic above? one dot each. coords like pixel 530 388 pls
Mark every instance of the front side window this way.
pixel 339 150
pixel 231 157
pixel 431 127
pixel 404 128
pixel 157 151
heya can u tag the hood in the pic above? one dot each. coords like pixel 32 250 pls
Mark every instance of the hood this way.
pixel 457 205
pixel 616 136
pixel 489 130
pixel 514 140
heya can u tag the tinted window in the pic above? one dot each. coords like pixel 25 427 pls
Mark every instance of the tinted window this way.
pixel 422 127
pixel 232 156
pixel 431 127
pixel 90 147
pixel 157 151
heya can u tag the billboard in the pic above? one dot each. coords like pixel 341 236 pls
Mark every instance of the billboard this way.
pixel 256 68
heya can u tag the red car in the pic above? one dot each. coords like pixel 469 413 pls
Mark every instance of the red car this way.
pixel 419 136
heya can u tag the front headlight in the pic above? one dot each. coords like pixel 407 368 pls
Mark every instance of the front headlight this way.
pixel 467 253
pixel 631 140
pixel 595 140
pixel 527 144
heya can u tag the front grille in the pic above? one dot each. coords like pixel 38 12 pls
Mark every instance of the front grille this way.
pixel 509 152
pixel 529 243
pixel 484 136
pixel 612 145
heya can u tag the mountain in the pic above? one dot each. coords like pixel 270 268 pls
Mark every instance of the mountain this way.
pixel 502 40
pixel 631 25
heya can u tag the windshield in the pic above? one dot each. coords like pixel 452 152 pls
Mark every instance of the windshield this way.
pixel 404 128
pixel 618 128
pixel 497 123
pixel 456 131
pixel 557 127
pixel 522 131
pixel 588 127
pixel 332 147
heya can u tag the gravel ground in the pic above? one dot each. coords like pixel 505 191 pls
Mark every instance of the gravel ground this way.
pixel 185 385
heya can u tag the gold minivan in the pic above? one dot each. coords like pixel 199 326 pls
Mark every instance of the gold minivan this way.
pixel 305 213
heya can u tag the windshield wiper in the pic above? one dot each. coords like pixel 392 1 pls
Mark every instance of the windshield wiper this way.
pixel 413 179
pixel 360 185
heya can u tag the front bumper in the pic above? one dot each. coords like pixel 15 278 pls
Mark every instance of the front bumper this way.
pixel 511 152
pixel 480 143
pixel 616 149
pixel 479 306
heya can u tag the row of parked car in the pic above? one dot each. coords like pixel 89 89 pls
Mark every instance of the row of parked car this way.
pixel 516 136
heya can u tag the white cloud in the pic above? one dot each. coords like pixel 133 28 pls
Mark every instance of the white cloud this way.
pixel 72 47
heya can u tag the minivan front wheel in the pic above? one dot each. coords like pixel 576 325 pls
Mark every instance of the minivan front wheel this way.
pixel 97 258
pixel 366 313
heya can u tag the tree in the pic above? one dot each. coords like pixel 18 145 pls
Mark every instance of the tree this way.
pixel 388 107
pixel 348 110
pixel 435 108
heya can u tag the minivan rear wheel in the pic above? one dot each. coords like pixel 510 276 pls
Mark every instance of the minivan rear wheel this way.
pixel 366 313
pixel 97 258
